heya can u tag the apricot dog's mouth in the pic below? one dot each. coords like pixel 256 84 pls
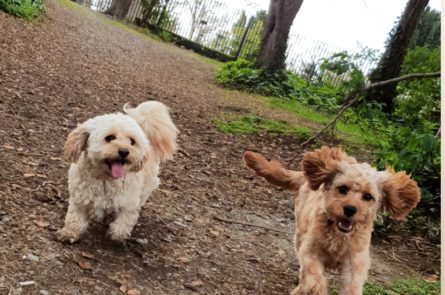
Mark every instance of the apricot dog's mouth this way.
pixel 344 224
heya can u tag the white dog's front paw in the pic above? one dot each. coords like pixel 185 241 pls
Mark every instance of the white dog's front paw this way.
pixel 118 233
pixel 67 236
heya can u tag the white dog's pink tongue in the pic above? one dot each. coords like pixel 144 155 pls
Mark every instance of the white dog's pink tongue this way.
pixel 117 170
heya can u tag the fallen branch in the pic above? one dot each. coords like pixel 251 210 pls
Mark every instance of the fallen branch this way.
pixel 353 98
pixel 250 224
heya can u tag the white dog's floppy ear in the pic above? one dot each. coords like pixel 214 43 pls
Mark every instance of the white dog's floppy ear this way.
pixel 400 194
pixel 154 119
pixel 321 165
pixel 75 143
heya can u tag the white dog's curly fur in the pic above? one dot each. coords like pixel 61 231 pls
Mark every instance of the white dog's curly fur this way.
pixel 115 164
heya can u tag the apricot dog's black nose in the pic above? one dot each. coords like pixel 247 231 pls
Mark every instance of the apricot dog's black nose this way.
pixel 349 210
pixel 123 153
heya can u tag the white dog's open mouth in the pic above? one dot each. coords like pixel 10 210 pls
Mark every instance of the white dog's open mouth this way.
pixel 116 167
pixel 344 224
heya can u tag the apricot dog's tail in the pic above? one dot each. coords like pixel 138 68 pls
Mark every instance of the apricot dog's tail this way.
pixel 274 172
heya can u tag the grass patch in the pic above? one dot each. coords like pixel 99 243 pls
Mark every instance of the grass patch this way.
pixel 351 132
pixel 253 124
pixel 26 9
pixel 399 287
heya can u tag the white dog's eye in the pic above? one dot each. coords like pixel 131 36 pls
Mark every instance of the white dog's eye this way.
pixel 109 138
pixel 133 142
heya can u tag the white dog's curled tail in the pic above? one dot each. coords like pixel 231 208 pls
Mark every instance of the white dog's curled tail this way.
pixel 154 119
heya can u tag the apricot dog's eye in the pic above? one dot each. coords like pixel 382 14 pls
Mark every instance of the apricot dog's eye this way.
pixel 368 197
pixel 132 141
pixel 343 189
pixel 110 138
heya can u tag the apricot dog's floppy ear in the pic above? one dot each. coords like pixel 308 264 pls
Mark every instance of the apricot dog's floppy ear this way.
pixel 321 165
pixel 400 194
pixel 154 119
pixel 75 143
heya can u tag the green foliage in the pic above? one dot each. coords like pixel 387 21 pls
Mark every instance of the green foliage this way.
pixel 419 100
pixel 253 124
pixel 400 287
pixel 241 74
pixel 418 153
pixel 27 9
pixel 165 36
pixel 427 32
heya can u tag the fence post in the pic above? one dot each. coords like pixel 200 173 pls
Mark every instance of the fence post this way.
pixel 243 39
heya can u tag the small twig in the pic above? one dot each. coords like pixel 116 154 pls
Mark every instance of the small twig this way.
pixel 353 98
pixel 214 285
pixel 250 224
pixel 184 153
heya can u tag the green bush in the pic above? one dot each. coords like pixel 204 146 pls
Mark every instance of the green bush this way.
pixel 241 74
pixel 419 99
pixel 418 153
pixel 27 9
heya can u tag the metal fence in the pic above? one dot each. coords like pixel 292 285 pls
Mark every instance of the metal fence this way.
pixel 214 25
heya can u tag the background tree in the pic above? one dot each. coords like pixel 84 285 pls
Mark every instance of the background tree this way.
pixel 427 33
pixel 119 8
pixel 280 17
pixel 391 61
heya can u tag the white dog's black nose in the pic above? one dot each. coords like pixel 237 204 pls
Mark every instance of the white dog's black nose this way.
pixel 123 153
pixel 349 210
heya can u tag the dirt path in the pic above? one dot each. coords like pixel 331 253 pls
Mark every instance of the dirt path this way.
pixel 74 66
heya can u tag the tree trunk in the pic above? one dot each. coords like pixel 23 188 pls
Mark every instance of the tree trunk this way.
pixel 119 8
pixel 279 19
pixel 391 61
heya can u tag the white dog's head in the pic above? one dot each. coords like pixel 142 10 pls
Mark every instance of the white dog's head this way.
pixel 116 144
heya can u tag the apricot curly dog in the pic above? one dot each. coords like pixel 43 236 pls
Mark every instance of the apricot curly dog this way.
pixel 335 207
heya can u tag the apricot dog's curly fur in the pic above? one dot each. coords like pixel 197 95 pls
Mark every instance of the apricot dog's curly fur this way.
pixel 114 167
pixel 335 207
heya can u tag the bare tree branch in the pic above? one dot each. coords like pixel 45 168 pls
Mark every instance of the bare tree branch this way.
pixel 355 97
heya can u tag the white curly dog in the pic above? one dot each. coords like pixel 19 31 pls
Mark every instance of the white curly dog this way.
pixel 115 162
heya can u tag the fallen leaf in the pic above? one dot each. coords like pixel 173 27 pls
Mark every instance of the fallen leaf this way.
pixel 85 265
pixel 197 283
pixel 55 158
pixel 123 289
pixel 29 175
pixel 214 232
pixel 8 146
pixel 134 292
pixel 40 223
pixel 183 259
pixel 432 278
pixel 87 255
pixel 20 149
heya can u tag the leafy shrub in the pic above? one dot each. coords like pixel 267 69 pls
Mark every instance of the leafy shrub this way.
pixel 241 74
pixel 417 152
pixel 27 9
pixel 165 36
pixel 419 99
